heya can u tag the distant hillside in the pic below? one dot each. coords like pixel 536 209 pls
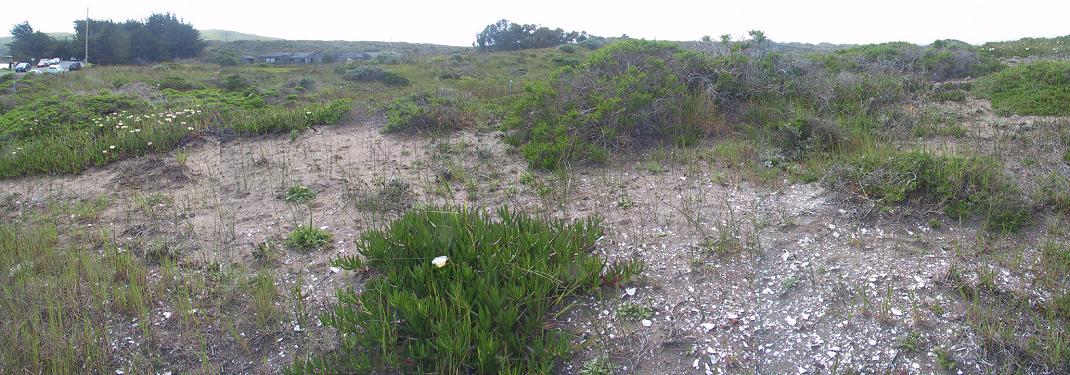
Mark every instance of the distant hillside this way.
pixel 231 36
pixel 253 48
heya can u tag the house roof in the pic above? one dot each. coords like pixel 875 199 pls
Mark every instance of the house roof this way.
pixel 302 55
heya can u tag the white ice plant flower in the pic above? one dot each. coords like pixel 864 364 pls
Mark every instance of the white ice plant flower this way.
pixel 440 261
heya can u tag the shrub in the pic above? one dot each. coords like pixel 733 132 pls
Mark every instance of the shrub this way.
pixel 247 98
pixel 308 238
pixel 948 94
pixel 388 58
pixel 375 74
pixel 593 43
pixel 440 110
pixel 458 292
pixel 621 96
pixel 175 83
pixel 567 48
pixel 307 84
pixel 1040 88
pixel 961 186
pixel 566 61
pixel 221 56
pixel 234 82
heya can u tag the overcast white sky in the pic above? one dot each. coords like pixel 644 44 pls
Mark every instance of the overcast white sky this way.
pixel 457 22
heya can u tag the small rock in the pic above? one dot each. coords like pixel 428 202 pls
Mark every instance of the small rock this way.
pixel 630 291
pixel 791 320
pixel 646 323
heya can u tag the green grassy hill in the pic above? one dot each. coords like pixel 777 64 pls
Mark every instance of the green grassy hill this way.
pixel 230 36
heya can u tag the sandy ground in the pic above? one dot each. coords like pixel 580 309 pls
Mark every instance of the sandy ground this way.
pixel 740 277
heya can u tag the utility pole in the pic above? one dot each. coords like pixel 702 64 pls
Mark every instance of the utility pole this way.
pixel 86 59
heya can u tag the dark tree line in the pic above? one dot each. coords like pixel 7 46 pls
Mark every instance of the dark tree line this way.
pixel 508 36
pixel 161 37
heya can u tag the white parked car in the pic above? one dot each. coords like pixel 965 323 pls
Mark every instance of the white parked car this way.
pixel 55 69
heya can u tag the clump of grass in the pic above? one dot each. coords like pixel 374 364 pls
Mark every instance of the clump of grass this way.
pixel 308 238
pixel 386 196
pixel 1039 88
pixel 1053 192
pixel 962 186
pixel 266 252
pixel 264 293
pixel 458 291
pixel 299 194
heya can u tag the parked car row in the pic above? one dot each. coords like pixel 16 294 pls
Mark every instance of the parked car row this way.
pixel 53 66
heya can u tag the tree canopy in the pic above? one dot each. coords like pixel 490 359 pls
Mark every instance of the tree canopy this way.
pixel 508 36
pixel 27 43
pixel 160 37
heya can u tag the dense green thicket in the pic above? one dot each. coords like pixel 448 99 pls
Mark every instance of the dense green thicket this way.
pixel 620 96
pixel 941 60
pixel 460 292
pixel 1040 88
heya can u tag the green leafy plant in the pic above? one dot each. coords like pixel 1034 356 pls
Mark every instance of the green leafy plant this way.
pixel 457 291
pixel 299 194
pixel 308 238
pixel 634 312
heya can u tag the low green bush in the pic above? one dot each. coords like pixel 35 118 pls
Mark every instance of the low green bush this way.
pixel 246 98
pixel 45 115
pixel 175 83
pixel 439 110
pixel 460 292
pixel 1040 88
pixel 110 138
pixel 375 74
pixel 962 186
